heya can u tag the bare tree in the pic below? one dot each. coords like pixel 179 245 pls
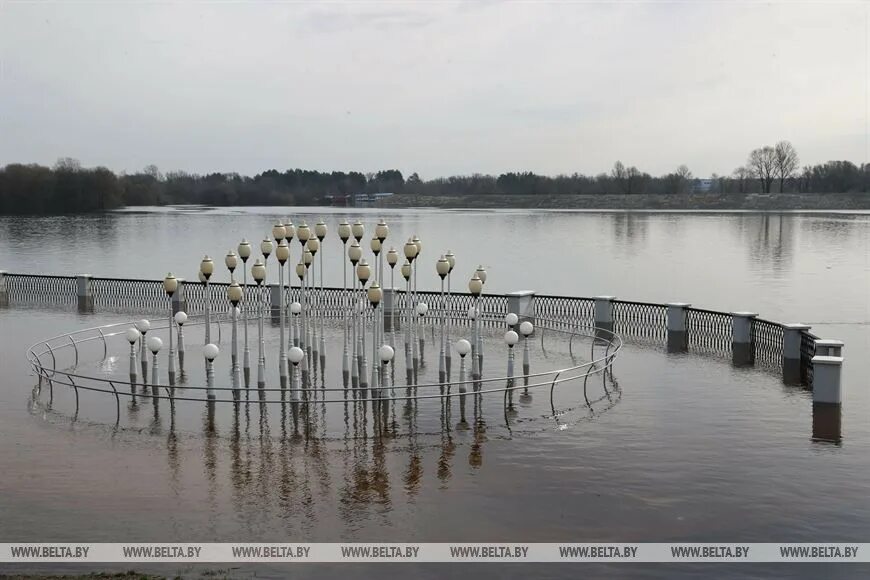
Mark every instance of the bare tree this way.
pixel 786 162
pixel 620 176
pixel 742 175
pixel 762 164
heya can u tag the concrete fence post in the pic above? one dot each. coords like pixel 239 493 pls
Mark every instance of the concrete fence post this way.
pixel 742 343
pixel 678 337
pixel 179 298
pixel 522 303
pixel 791 352
pixel 4 291
pixel 829 347
pixel 392 315
pixel 275 302
pixel 827 379
pixel 604 312
pixel 85 292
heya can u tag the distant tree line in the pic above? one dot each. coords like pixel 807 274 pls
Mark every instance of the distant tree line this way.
pixel 70 188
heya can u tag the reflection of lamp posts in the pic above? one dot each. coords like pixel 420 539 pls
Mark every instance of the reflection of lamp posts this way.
pixel 206 269
pixel 180 319
pixel 375 294
pixel 154 345
pixel 282 254
pixel 481 273
pixel 344 235
pixel 392 259
pixel 354 253
pixel 463 347
pixel 363 273
pixel 475 285
pixel 510 338
pixel 320 232
pixel 132 335
pixel 170 284
pixel 451 259
pixel 258 271
pixel 295 355
pixel 312 247
pixel 526 329
pixel 143 326
pixel 235 294
pixel 442 267
pixel 244 251
pixel 406 274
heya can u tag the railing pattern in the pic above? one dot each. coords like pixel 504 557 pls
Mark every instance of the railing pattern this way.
pixel 768 339
pixel 41 288
pixel 709 331
pixel 566 308
pixel 640 320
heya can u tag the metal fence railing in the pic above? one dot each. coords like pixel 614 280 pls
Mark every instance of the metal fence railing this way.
pixel 708 331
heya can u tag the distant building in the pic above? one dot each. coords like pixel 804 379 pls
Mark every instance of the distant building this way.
pixel 362 199
pixel 704 185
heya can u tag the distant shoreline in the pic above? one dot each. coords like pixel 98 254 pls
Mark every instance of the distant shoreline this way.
pixel 695 201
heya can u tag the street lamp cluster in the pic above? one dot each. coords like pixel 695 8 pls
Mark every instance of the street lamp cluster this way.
pixel 304 343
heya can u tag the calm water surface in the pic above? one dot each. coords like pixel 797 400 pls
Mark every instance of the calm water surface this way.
pixel 690 448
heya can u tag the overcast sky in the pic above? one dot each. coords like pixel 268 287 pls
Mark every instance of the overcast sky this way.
pixel 438 88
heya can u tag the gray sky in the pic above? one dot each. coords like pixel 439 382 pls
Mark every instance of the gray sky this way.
pixel 439 88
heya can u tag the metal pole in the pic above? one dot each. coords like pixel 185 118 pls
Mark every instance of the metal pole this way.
pixel 235 353
pixel 261 359
pixel 282 359
pixel 247 354
pixel 322 340
pixel 442 364
pixel 345 363
pixel 171 346
pixel 207 314
pixel 355 361
pixel 510 376
pixel 475 368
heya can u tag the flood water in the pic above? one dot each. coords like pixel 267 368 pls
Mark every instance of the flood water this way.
pixel 679 447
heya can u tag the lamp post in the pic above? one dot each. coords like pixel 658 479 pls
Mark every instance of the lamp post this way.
pixel 481 273
pixel 510 338
pixel 422 309
pixel 442 268
pixel 303 233
pixel 363 273
pixel 289 234
pixel 375 294
pixel 206 269
pixel 232 262
pixel 418 342
pixel 320 231
pixel 451 259
pixel 143 326
pixel 180 319
pixel 132 335
pixel 411 250
pixel 154 345
pixel 282 254
pixel 258 271
pixel 307 307
pixel 235 294
pixel 463 347
pixel 392 259
pixel 406 274
pixel 375 245
pixel 475 286
pixel 381 233
pixel 344 236
pixel 170 285
pixel 526 329
pixel 210 352
pixel 312 247
pixel 386 353
pixel 354 254
pixel 244 251
pixel 297 312
pixel 295 355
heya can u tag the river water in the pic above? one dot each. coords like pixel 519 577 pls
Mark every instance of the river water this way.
pixel 687 448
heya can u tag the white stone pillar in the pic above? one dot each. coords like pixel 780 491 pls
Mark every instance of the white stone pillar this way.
pixel 522 303
pixel 827 375
pixel 791 352
pixel 829 347
pixel 742 344
pixel 604 312
pixel 85 292
pixel 677 327
pixel 4 291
